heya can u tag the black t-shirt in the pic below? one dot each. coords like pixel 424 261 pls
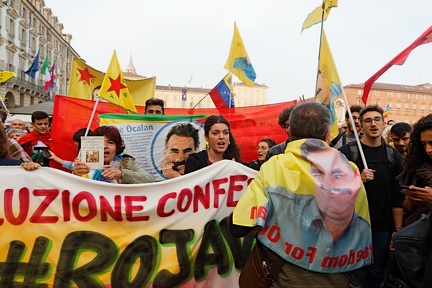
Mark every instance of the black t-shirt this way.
pixel 384 192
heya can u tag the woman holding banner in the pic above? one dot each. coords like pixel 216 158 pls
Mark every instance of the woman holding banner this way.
pixel 118 167
pixel 221 145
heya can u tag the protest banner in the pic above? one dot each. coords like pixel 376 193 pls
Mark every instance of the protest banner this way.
pixel 61 230
pixel 146 137
pixel 248 124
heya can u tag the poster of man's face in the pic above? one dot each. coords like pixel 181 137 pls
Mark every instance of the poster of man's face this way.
pixel 180 140
pixel 337 184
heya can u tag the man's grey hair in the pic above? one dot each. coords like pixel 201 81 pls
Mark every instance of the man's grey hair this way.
pixel 309 120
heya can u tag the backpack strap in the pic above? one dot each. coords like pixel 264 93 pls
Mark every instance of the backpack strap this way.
pixel 335 140
pixel 354 151
pixel 389 153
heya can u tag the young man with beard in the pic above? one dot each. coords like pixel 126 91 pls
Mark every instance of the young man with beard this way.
pixel 383 191
pixel 400 134
pixel 347 136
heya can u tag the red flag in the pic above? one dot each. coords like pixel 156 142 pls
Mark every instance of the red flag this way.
pixel 425 38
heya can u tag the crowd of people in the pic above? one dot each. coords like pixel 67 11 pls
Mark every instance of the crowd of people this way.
pixel 317 207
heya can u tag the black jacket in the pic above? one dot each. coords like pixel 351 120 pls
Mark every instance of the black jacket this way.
pixel 196 161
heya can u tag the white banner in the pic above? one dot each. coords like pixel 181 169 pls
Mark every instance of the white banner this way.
pixel 65 231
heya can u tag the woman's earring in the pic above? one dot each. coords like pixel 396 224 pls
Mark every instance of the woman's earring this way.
pixel 206 145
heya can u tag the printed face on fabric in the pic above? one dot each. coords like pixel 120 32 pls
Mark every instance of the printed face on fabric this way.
pixel 337 184
pixel 218 137
pixel 41 125
pixel 177 150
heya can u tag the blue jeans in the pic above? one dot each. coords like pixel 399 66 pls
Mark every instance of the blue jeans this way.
pixel 381 244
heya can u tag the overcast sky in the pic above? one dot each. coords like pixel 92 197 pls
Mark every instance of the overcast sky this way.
pixel 176 39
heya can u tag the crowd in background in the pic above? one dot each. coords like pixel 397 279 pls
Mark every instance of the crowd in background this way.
pixel 396 170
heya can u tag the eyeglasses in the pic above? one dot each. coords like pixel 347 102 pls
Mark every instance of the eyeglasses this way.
pixel 368 121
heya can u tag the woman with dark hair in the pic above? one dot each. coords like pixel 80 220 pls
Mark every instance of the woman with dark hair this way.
pixel 263 146
pixel 221 145
pixel 418 171
pixel 412 245
pixel 118 167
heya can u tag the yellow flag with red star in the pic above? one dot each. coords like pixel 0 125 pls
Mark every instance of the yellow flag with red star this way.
pixel 114 88
pixel 86 81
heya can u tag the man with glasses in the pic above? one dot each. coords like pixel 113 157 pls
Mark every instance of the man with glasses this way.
pixel 348 135
pixel 382 189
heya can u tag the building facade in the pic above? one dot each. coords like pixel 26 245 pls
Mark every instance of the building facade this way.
pixel 406 103
pixel 26 28
pixel 189 97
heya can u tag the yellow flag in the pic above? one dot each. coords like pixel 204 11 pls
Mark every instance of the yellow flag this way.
pixel 238 61
pixel 6 75
pixel 141 90
pixel 114 88
pixel 85 82
pixel 317 15
pixel 329 86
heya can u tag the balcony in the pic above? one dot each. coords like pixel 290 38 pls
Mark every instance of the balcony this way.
pixel 24 85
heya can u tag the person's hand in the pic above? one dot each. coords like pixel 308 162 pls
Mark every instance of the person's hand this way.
pixel 54 156
pixel 367 175
pixel 80 168
pixel 419 194
pixel 168 171
pixel 111 173
pixel 30 166
pixel 302 99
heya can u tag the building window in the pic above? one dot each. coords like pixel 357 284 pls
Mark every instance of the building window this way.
pixel 10 25
pixel 422 107
pixel 359 92
pixel 406 106
pixel 376 93
pixel 398 105
pixel 414 106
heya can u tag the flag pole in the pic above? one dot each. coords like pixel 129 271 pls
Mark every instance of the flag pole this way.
pixel 92 116
pixel 3 104
pixel 200 101
pixel 319 49
pixel 343 93
pixel 355 130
